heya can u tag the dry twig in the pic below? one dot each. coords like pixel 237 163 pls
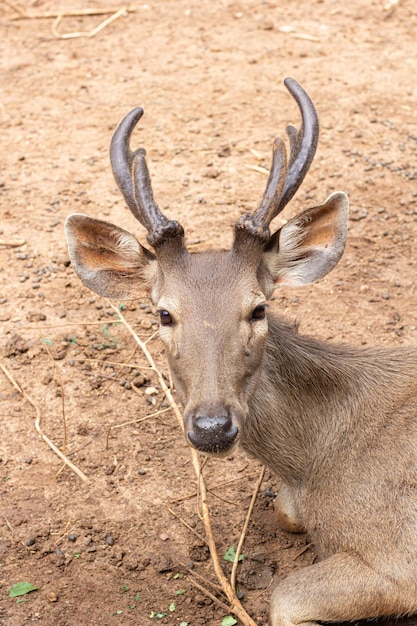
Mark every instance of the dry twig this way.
pixel 90 33
pixel 12 244
pixel 134 421
pixel 53 447
pixel 190 528
pixel 121 368
pixel 258 168
pixel 24 15
pixel 222 484
pixel 208 594
pixel 61 384
pixel 235 604
pixel 245 528
pixel 9 526
pixel 303 549
pixel 206 581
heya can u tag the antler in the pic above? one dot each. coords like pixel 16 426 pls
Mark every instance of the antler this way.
pixel 284 179
pixel 132 177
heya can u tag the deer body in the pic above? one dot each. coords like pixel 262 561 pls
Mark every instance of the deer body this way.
pixel 337 424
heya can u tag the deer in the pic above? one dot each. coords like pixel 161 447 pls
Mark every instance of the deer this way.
pixel 336 424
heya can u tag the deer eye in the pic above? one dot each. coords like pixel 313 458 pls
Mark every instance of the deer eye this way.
pixel 165 318
pixel 258 313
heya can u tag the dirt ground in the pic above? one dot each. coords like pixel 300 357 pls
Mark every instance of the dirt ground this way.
pixel 209 76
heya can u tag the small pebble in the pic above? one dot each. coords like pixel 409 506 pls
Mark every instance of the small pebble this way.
pixel 110 540
pixel 30 542
pixel 72 537
pixel 142 472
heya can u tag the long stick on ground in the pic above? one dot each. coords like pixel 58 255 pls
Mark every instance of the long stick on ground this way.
pixel 245 528
pixel 235 605
pixel 24 15
pixel 38 425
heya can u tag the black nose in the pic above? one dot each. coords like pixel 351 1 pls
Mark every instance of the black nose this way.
pixel 213 434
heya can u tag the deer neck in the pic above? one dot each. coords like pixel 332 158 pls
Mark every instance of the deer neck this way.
pixel 300 403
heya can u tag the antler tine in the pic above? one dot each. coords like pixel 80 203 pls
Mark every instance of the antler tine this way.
pixel 276 180
pixel 160 229
pixel 284 180
pixel 121 159
pixel 132 177
pixel 303 142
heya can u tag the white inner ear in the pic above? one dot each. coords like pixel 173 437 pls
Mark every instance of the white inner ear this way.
pixel 290 266
pixel 128 243
pixel 108 259
pixel 127 246
pixel 310 245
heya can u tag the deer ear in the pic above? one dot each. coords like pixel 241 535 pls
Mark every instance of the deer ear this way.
pixel 309 245
pixel 108 259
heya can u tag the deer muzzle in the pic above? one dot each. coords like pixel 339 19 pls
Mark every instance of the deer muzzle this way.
pixel 213 434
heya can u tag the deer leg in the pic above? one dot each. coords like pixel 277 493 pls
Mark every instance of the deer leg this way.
pixel 341 588
pixel 286 511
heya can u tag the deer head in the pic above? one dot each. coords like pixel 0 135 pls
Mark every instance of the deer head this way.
pixel 212 305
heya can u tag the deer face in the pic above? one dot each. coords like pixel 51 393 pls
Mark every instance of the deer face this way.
pixel 213 325
pixel 212 305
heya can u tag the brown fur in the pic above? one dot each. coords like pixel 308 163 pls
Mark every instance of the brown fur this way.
pixel 339 426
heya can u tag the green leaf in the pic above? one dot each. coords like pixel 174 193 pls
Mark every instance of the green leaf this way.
pixel 184 624
pixel 175 576
pixel 180 592
pixel 125 588
pixel 136 597
pixel 229 620
pixel 21 589
pixel 230 555
pixel 172 607
pixel 158 615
